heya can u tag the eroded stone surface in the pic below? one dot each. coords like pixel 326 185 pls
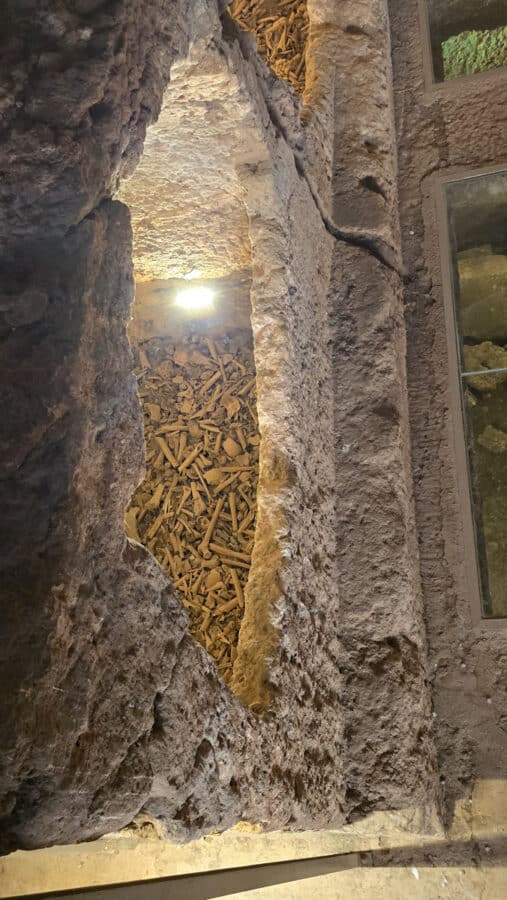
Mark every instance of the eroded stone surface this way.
pixel 80 83
pixel 79 692
pixel 185 197
pixel 84 783
pixel 380 615
pixel 455 133
pixel 112 708
pixel 384 654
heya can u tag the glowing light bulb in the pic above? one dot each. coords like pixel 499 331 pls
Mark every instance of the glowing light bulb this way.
pixel 195 299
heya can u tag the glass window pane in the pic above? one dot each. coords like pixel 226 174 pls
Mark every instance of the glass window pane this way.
pixel 467 36
pixel 477 209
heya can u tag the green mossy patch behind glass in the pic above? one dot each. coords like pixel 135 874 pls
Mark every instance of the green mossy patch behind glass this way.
pixel 474 51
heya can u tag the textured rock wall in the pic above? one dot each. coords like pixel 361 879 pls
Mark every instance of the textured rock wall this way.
pixel 111 707
pixel 449 132
pixel 108 652
pixel 185 198
pixel 80 83
pixel 383 662
pixel 74 593
pixel 102 686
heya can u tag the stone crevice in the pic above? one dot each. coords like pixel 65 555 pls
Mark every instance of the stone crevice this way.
pixel 85 594
pixel 293 134
pixel 375 245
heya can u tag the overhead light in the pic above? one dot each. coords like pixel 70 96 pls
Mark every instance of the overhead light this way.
pixel 195 299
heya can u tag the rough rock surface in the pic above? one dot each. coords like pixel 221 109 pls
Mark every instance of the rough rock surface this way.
pixel 73 453
pixel 107 674
pixel 383 656
pixel 383 662
pixel 111 707
pixel 185 196
pixel 450 133
pixel 80 82
pixel 107 670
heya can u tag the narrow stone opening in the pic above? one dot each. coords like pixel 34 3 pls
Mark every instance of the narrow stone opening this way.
pixel 193 343
pixel 281 34
pixel 196 509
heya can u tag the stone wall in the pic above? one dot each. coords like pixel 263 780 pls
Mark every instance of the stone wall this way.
pixel 380 615
pixel 110 708
pixel 448 130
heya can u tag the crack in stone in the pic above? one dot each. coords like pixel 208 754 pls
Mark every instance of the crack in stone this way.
pixel 376 246
pixel 384 252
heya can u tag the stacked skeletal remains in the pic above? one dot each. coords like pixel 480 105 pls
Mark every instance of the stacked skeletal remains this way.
pixel 195 510
pixel 281 31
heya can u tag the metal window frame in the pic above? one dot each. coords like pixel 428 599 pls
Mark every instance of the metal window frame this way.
pixel 454 85
pixel 472 581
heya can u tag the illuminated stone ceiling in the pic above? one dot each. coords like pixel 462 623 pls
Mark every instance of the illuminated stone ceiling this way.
pixel 184 197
